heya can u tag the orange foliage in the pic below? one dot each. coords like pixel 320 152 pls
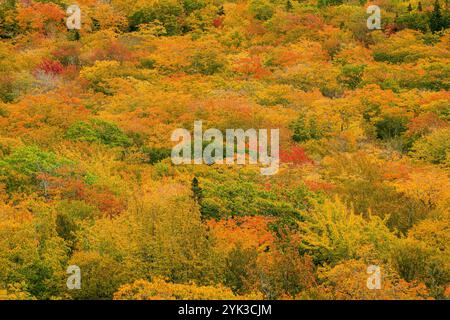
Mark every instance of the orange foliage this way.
pixel 248 231
pixel 40 16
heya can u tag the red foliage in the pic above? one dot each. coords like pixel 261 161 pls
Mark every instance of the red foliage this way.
pixel 295 155
pixel 390 29
pixel 50 67
pixel 105 201
pixel 114 50
pixel 67 54
pixel 319 186
pixel 76 189
pixel 217 22
pixel 424 124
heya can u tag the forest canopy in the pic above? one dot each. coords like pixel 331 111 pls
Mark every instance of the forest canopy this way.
pixel 86 177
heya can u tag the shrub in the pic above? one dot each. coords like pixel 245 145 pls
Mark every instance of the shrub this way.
pixel 98 131
pixel 168 12
pixel 390 127
pixel 206 63
pixel 434 148
pixel 262 9
pixel 304 129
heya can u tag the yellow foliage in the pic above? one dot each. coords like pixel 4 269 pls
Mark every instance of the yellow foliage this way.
pixel 159 289
pixel 348 281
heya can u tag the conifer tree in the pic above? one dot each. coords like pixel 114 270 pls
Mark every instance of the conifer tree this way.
pixel 436 22
pixel 221 11
pixel 289 6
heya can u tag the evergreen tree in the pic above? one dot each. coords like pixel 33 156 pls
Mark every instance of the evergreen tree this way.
pixel 436 22
pixel 221 11
pixel 409 7
pixel 289 6
pixel 419 6
pixel 197 191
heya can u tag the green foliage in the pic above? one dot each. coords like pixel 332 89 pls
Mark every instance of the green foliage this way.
pixel 22 168
pixel 351 75
pixel 415 21
pixel 98 131
pixel 205 62
pixel 148 63
pixel 433 148
pixel 437 22
pixel 168 12
pixel 101 276
pixel 8 25
pixel 262 9
pixel 190 6
pixel 289 6
pixel 416 262
pixel 305 129
pixel 239 196
pixel 332 233
pixel 239 269
pixel 69 218
pixel 324 3
pixel 390 127
pixel 155 155
pixel 31 253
